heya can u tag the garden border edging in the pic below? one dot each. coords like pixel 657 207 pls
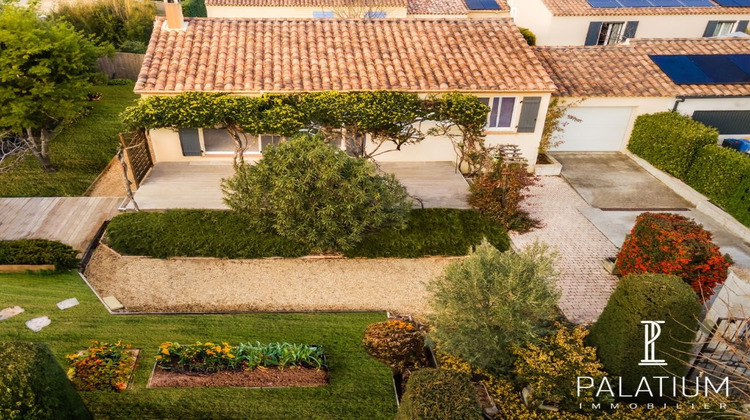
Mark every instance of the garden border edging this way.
pixel 701 202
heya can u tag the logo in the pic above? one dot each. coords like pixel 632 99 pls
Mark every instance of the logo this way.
pixel 653 331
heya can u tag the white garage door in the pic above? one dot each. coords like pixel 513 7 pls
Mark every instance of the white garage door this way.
pixel 598 129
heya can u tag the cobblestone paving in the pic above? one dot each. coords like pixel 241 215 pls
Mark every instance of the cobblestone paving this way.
pixel 584 283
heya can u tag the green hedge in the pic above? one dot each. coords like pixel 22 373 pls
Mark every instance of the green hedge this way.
pixel 194 8
pixel 670 141
pixel 618 333
pixel 38 251
pixel 739 203
pixel 433 394
pixel 34 386
pixel 224 234
pixel 433 232
pixel 718 173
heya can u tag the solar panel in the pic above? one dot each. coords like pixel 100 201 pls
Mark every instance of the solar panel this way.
pixel 705 69
pixel 734 3
pixel 604 4
pixel 667 3
pixel 635 3
pixel 482 5
pixel 698 3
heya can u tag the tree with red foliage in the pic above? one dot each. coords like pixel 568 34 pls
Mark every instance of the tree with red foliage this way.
pixel 673 244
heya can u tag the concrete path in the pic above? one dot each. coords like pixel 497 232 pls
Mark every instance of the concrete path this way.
pixel 585 284
pixel 71 220
pixel 614 181
pixel 435 184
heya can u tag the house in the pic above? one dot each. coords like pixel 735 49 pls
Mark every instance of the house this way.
pixel 486 58
pixel 368 9
pixel 607 22
pixel 609 86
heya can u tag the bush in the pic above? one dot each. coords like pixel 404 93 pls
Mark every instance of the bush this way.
pixel 314 194
pixel 433 394
pixel 119 82
pixel 34 386
pixel 38 251
pixel 194 8
pixel 618 333
pixel 548 367
pixel 739 203
pixel 101 367
pixel 487 303
pixel 528 36
pixel 673 244
pixel 447 232
pixel 498 194
pixel 195 233
pixel 118 22
pixel 395 343
pixel 670 141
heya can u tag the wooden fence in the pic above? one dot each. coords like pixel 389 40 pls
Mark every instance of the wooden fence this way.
pixel 121 65
pixel 137 153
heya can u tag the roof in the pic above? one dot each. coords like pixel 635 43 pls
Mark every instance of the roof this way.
pixel 583 8
pixel 445 7
pixel 303 55
pixel 307 3
pixel 626 70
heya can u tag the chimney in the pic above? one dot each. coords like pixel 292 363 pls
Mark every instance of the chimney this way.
pixel 173 10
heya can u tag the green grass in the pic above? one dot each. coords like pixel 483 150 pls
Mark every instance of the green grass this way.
pixel 80 152
pixel 359 387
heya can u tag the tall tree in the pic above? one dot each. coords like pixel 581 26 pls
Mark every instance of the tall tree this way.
pixel 46 69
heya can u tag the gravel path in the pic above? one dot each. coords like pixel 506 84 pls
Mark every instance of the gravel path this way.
pixel 205 284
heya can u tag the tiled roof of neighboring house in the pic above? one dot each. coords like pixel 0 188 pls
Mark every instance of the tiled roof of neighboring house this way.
pixel 626 70
pixel 444 7
pixel 583 8
pixel 308 3
pixel 299 55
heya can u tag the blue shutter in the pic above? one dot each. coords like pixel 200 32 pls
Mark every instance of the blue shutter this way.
pixel 595 28
pixel 191 144
pixel 529 113
pixel 710 28
pixel 741 26
pixel 630 29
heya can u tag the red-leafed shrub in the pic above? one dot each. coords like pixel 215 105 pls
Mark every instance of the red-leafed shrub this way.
pixel 673 244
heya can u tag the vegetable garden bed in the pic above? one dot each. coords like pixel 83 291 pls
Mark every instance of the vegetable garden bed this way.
pixel 256 378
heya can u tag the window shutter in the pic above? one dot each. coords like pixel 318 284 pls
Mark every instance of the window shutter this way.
pixel 741 26
pixel 710 28
pixel 630 29
pixel 529 114
pixel 593 35
pixel 191 144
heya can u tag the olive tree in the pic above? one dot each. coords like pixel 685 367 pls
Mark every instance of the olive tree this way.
pixel 313 193
pixel 490 302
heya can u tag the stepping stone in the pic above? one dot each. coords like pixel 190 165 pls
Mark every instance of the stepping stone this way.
pixel 37 324
pixel 112 303
pixel 67 303
pixel 10 312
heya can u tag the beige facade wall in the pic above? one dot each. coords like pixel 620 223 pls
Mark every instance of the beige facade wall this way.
pixel 532 14
pixel 286 12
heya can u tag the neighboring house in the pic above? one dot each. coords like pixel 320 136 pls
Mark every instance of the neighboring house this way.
pixel 487 58
pixel 610 86
pixel 607 22
pixel 368 9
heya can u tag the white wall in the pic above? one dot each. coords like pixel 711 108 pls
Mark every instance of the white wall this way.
pixel 284 12
pixel 532 14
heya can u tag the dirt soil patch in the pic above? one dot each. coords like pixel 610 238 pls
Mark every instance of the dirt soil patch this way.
pixel 256 378
pixel 109 183
pixel 295 284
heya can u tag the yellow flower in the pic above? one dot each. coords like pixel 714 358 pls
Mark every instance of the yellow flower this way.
pixel 164 351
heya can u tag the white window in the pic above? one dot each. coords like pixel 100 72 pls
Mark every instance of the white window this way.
pixel 724 28
pixel 323 14
pixel 501 111
pixel 376 14
pixel 611 33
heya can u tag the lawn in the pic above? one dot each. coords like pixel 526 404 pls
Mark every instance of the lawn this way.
pixel 359 387
pixel 80 152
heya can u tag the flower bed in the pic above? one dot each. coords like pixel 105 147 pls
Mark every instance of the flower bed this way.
pixel 103 367
pixel 245 365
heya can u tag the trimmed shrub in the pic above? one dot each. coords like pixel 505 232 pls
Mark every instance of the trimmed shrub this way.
pixel 315 194
pixel 670 141
pixel 739 203
pixel 673 244
pixel 618 333
pixel 34 386
pixel 194 8
pixel 486 304
pixel 433 394
pixel 448 232
pixel 498 193
pixel 395 343
pixel 101 367
pixel 528 36
pixel 195 233
pixel 38 251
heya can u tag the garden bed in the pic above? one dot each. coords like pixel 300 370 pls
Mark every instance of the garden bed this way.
pixel 256 378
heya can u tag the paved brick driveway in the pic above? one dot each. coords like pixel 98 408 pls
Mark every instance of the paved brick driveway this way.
pixel 585 285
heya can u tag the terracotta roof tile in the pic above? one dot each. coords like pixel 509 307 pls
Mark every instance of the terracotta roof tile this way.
pixel 626 70
pixel 297 55
pixel 583 8
pixel 305 3
pixel 437 7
